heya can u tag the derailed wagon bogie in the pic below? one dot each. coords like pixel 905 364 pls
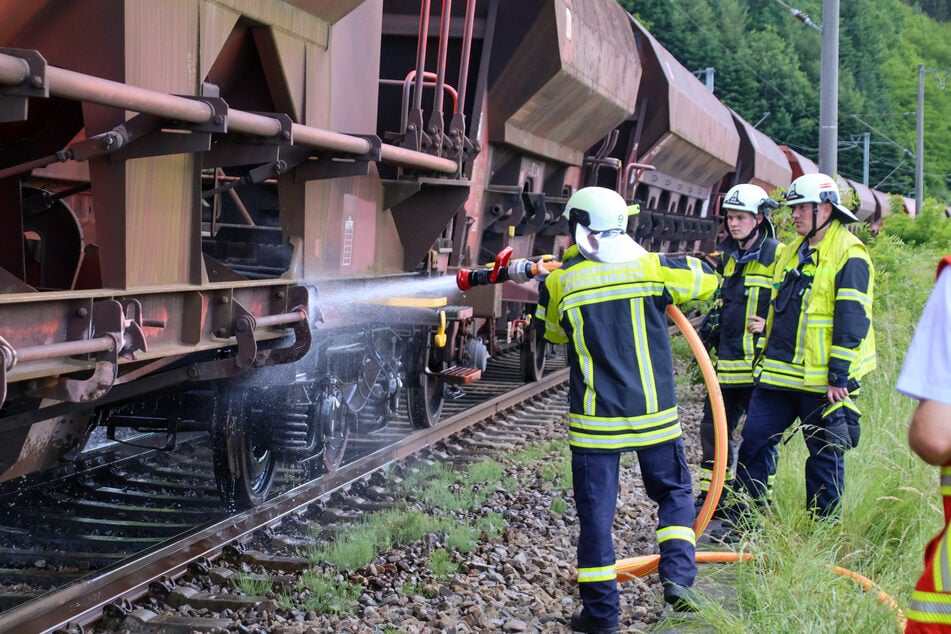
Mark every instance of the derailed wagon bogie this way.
pixel 358 383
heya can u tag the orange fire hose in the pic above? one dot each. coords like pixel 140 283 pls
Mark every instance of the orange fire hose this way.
pixel 628 569
pixel 644 566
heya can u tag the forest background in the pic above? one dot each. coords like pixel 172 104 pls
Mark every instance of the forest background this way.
pixel 767 66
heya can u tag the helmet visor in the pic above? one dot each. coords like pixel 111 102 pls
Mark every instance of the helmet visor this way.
pixel 612 247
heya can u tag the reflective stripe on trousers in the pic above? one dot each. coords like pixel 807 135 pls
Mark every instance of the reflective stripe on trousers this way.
pixel 667 478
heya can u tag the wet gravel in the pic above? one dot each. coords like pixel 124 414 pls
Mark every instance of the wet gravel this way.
pixel 518 580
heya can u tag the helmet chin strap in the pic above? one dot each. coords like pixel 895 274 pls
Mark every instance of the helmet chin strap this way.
pixel 815 219
pixel 754 232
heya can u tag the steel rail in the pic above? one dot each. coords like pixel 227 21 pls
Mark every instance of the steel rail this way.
pixel 72 85
pixel 82 603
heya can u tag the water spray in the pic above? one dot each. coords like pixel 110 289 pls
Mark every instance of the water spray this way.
pixel 519 270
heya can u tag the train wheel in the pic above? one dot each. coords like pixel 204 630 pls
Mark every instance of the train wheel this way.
pixel 424 398
pixel 424 403
pixel 243 461
pixel 532 352
pixel 334 430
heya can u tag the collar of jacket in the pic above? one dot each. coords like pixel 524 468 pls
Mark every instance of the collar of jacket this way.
pixel 831 235
pixel 731 248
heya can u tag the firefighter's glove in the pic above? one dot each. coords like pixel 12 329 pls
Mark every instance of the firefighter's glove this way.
pixel 840 424
pixel 710 329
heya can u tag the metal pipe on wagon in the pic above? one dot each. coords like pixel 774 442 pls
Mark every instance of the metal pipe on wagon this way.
pixel 65 349
pixel 421 53
pixel 441 58
pixel 466 50
pixel 408 158
pixel 13 70
pixel 73 85
pixel 282 318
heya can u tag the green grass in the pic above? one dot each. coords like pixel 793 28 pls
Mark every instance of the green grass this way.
pixel 411 589
pixel 403 526
pixel 323 594
pixel 462 537
pixel 486 472
pixel 352 549
pixel 252 585
pixel 554 463
pixel 441 564
pixel 890 509
pixel 491 523
pixel 358 544
pixel 440 486
pixel 451 492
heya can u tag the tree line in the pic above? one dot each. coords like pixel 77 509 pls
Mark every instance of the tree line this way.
pixel 767 67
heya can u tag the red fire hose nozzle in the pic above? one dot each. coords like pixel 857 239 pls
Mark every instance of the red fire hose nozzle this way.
pixel 519 271
pixel 501 260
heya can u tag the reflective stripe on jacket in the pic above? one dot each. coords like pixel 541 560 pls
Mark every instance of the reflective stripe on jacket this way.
pixel 930 609
pixel 613 316
pixel 744 293
pixel 825 335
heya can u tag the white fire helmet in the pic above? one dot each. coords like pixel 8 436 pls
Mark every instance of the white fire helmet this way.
pixel 752 199
pixel 819 188
pixel 600 215
pixel 746 198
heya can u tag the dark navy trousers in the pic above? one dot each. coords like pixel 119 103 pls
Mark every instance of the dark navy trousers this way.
pixel 771 412
pixel 735 403
pixel 667 482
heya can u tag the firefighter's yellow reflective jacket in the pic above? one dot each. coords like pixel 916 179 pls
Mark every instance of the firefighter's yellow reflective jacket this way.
pixel 613 318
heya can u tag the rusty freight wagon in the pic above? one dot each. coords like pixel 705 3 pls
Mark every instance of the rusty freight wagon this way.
pixel 202 198
pixel 244 218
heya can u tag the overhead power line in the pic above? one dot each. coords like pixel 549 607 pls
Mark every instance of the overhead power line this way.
pixel 714 37
pixel 801 16
pixel 885 136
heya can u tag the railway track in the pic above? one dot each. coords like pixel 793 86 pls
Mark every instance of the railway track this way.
pixel 91 542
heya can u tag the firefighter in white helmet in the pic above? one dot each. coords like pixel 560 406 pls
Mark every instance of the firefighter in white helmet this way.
pixel 608 302
pixel 735 324
pixel 819 344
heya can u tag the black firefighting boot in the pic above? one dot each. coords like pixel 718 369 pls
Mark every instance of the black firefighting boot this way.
pixel 681 598
pixel 581 622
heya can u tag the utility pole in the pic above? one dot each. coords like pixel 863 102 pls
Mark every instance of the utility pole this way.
pixel 865 143
pixel 829 89
pixel 920 145
pixel 920 132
